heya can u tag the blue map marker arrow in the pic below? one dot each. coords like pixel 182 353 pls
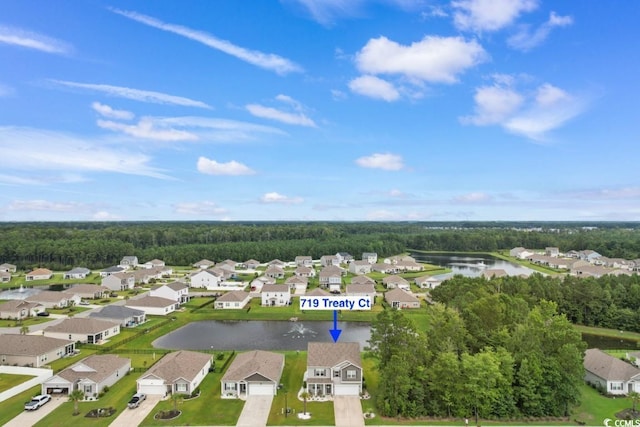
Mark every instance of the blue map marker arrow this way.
pixel 335 332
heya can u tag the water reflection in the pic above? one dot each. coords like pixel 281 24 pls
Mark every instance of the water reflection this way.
pixel 470 265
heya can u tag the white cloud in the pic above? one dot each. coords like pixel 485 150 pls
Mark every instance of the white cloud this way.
pixel 107 111
pixel 33 150
pixel 267 61
pixel 147 129
pixel 338 95
pixel 274 197
pixel 433 59
pixel 105 216
pixel 526 39
pixel 387 215
pixel 476 197
pixel 44 205
pixel 297 117
pixel 22 38
pixel 532 114
pixel 489 15
pixel 199 208
pixel 326 12
pixel 624 193
pixel 374 87
pixel 434 12
pixel 384 161
pixel 134 94
pixel 211 167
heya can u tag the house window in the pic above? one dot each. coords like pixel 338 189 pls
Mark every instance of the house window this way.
pixel 87 389
pixel 336 374
pixel 69 336
pixel 351 374
pixel 616 386
pixel 319 373
pixel 181 387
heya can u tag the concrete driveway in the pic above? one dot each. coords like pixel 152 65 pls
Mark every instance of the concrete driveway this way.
pixel 348 411
pixel 134 417
pixel 29 418
pixel 255 412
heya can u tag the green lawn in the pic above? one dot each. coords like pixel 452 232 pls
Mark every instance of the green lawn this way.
pixel 13 406
pixel 8 381
pixel 5 323
pixel 321 412
pixel 594 407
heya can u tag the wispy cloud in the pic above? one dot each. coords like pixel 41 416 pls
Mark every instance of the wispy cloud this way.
pixel 147 129
pixel 199 208
pixel 134 94
pixel 489 15
pixel 374 87
pixel 211 167
pixel 34 150
pixel 105 216
pixel 384 161
pixel 45 205
pixel 526 38
pixel 531 113
pixel 31 40
pixel 326 12
pixel 274 197
pixel 106 111
pixel 476 197
pixel 267 61
pixel 295 117
pixel 603 194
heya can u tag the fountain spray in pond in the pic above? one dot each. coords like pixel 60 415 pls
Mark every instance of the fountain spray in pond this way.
pixel 298 330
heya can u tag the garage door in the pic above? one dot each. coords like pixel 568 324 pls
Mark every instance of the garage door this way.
pixel 157 389
pixel 260 389
pixel 346 390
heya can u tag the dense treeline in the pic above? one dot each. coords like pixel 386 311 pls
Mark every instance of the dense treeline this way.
pixel 524 362
pixel 97 245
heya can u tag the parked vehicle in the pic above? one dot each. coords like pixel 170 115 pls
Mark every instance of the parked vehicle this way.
pixel 43 314
pixel 136 400
pixel 37 401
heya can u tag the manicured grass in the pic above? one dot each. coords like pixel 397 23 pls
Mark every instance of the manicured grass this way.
pixel 208 409
pixel 5 323
pixel 594 407
pixel 117 397
pixel 13 406
pixel 321 412
pixel 610 333
pixel 68 310
pixel 8 381
pixel 60 364
pixel 56 279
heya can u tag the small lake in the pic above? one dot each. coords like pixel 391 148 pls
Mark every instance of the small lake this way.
pixel 470 265
pixel 609 343
pixel 260 335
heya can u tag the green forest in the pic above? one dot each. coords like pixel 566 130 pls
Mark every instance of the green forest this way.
pixel 61 246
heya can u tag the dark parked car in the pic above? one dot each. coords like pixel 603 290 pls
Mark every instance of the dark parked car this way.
pixel 43 314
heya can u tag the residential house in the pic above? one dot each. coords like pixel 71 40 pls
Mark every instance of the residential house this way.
pixel 317 292
pixel 111 270
pixel 129 262
pixel 208 279
pixel 394 281
pixel 589 255
pixel 403 265
pixel 176 291
pixel 385 268
pixel 327 260
pixel 85 330
pixel 7 268
pixel 370 257
pixel 304 261
pixel 125 316
pixel 39 274
pixel 204 264
pixel 274 272
pixel 344 257
pixel 399 258
pixel 119 281
pixel 251 264
pixel 360 267
pixel 277 263
pixel 610 373
pixel 334 369
pixel 180 372
pixel 331 277
pixel 572 254
pixel 154 263
pixel 86 291
pixel 33 350
pixel 233 300
pixel 19 309
pixel 254 373
pixel 492 273
pixel 295 282
pixel 305 271
pixel 359 280
pixel 520 253
pixel 90 375
pixel 362 290
pixel 54 299
pixel 397 298
pixel 77 273
pixel 275 295
pixel 427 282
pixel 5 277
pixel 552 251
pixel 259 282
pixel 157 306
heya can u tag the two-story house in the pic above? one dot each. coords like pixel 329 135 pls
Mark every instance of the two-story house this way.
pixel 177 291
pixel 275 295
pixel 334 369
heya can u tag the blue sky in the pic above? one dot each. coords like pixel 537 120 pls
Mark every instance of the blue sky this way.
pixel 319 110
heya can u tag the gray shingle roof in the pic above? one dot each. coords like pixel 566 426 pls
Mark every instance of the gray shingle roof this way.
pixel 77 325
pixel 29 345
pixel 265 363
pixel 608 367
pixel 399 295
pixel 332 354
pixel 234 296
pixel 116 312
pixel 100 367
pixel 180 364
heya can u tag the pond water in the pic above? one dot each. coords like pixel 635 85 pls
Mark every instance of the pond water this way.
pixel 607 343
pixel 260 335
pixel 470 265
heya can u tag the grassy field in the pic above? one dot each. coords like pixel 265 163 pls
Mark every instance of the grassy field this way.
pixel 29 321
pixel 13 406
pixel 8 381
